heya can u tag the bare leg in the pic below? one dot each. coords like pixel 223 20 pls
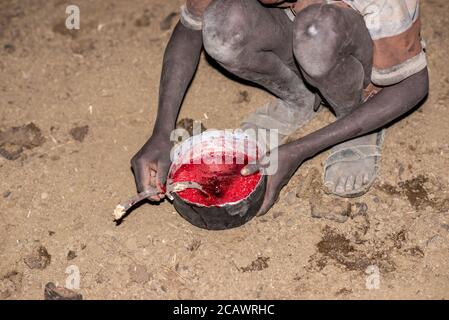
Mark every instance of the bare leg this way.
pixel 334 50
pixel 255 43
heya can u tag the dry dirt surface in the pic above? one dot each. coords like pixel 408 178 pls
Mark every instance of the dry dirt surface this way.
pixel 74 108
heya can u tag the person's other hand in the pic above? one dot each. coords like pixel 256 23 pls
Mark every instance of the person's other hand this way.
pixel 288 163
pixel 151 165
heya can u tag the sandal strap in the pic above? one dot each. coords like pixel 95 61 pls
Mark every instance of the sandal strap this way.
pixel 353 154
pixel 277 115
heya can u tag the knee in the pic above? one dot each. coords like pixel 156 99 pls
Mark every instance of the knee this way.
pixel 317 39
pixel 225 30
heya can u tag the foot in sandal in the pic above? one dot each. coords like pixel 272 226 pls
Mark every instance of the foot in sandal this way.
pixel 352 166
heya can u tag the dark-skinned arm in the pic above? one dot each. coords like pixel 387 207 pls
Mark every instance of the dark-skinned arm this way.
pixel 389 104
pixel 180 62
pixel 151 163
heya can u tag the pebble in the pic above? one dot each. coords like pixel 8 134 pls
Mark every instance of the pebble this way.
pixel 9 48
pixel 277 214
pixel 38 259
pixel 71 255
pixel 290 198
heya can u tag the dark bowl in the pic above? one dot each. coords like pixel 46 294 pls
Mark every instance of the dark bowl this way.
pixel 222 217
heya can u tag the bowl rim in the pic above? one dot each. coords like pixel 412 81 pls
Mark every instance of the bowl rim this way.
pixel 211 133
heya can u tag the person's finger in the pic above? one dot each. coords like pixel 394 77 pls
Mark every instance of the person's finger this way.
pixel 152 172
pixel 250 169
pixel 155 195
pixel 154 184
pixel 162 172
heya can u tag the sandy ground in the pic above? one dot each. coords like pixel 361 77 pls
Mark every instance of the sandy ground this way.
pixel 89 99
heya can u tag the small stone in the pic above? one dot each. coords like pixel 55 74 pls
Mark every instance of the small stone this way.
pixel 10 283
pixel 9 48
pixel 44 195
pixel 277 214
pixel 50 233
pixel 71 255
pixel 79 133
pixel 6 194
pixel 340 213
pixel 38 259
pixel 290 198
pixel 243 97
pixel 16 139
pixel 361 209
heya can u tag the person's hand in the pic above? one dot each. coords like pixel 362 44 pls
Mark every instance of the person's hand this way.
pixel 151 165
pixel 288 162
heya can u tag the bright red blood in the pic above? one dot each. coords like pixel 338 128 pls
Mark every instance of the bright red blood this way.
pixel 223 182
